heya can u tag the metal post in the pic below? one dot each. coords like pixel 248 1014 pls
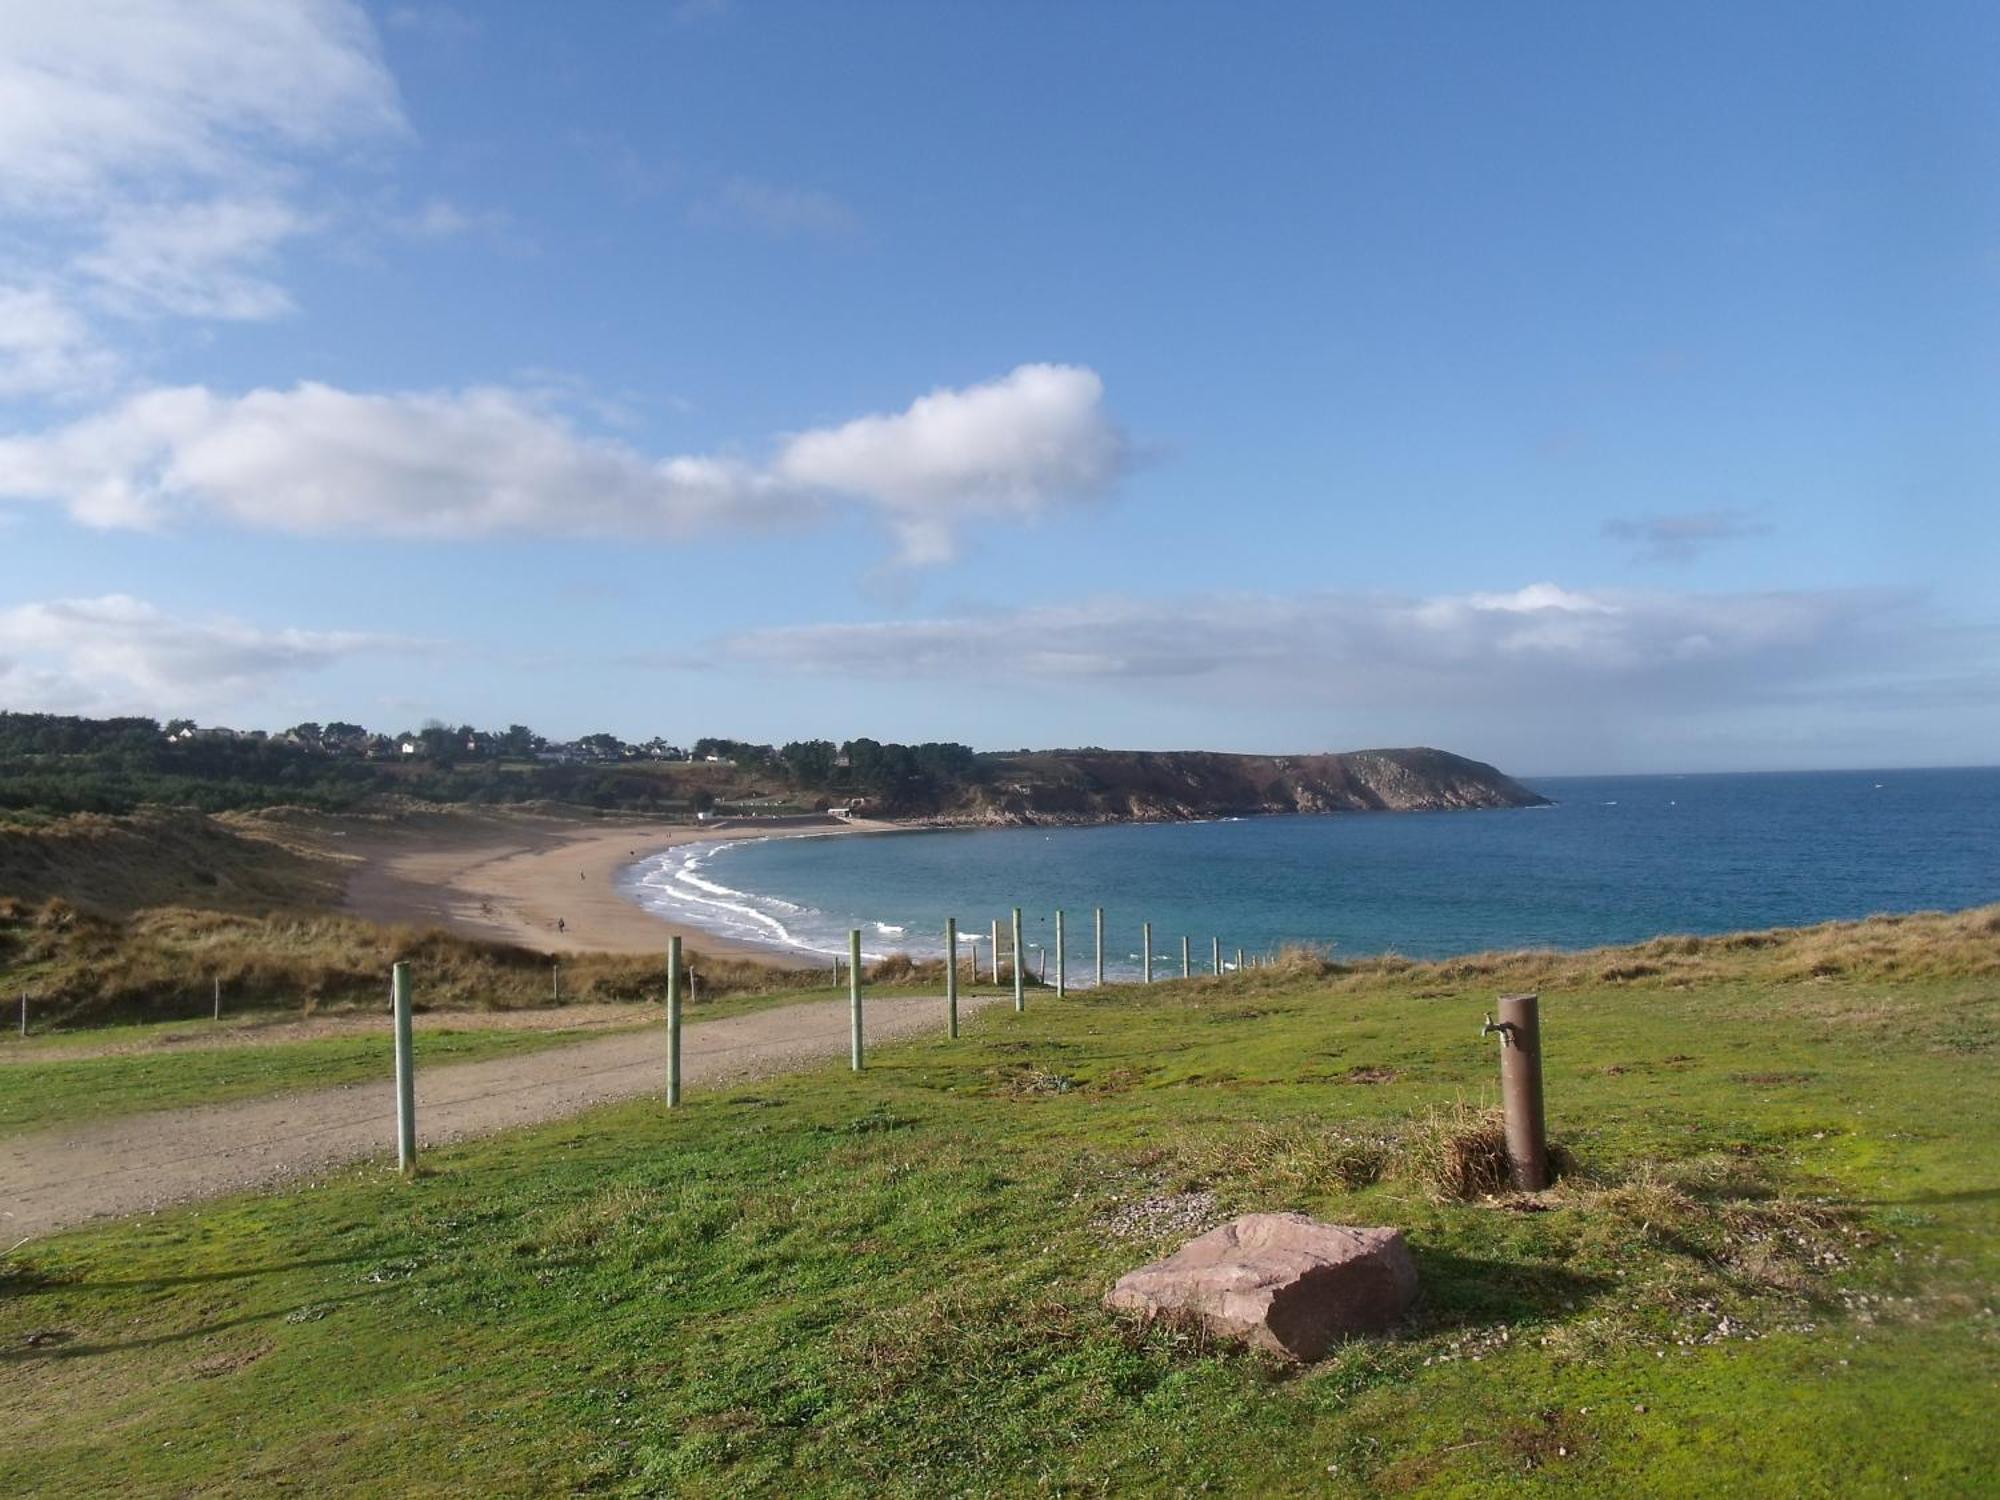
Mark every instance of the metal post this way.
pixel 1146 943
pixel 406 1073
pixel 1520 1028
pixel 854 996
pixel 996 950
pixel 24 1014
pixel 555 979
pixel 1062 970
pixel 673 1022
pixel 951 972
pixel 218 997
pixel 1100 947
pixel 1215 955
pixel 1187 963
pixel 1020 969
pixel 1239 960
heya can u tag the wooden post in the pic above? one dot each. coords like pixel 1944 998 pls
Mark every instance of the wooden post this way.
pixel 1100 947
pixel 406 1072
pixel 1215 956
pixel 218 997
pixel 1520 1028
pixel 1062 970
pixel 951 972
pixel 1239 960
pixel 674 1022
pixel 996 950
pixel 1146 945
pixel 1020 968
pixel 854 997
pixel 24 1015
pixel 1187 962
pixel 555 978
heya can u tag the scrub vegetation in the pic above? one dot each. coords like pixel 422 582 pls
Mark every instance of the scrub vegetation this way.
pixel 1768 1268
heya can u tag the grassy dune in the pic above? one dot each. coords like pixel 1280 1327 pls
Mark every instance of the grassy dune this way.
pixel 1769 1272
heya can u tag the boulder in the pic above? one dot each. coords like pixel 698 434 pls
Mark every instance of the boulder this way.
pixel 1284 1282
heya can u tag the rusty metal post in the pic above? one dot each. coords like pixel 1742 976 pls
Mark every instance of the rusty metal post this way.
pixel 1520 1029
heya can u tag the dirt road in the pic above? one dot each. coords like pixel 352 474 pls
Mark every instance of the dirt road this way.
pixel 62 1178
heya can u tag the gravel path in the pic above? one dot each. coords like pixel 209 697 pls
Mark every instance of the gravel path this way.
pixel 61 1178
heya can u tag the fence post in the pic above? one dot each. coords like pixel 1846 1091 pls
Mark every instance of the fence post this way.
pixel 951 972
pixel 24 1015
pixel 1100 947
pixel 1062 959
pixel 218 997
pixel 854 997
pixel 1215 955
pixel 996 950
pixel 1239 960
pixel 1520 1028
pixel 1187 963
pixel 406 1073
pixel 1020 969
pixel 555 977
pixel 674 1022
pixel 1146 944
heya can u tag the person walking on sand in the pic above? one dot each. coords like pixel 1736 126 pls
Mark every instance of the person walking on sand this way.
pixel 561 925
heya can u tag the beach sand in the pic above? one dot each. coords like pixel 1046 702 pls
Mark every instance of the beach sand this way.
pixel 512 877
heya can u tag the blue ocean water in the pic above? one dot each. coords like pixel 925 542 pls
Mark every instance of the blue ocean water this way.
pixel 1617 859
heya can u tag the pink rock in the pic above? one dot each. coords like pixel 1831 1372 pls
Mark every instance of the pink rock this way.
pixel 1284 1282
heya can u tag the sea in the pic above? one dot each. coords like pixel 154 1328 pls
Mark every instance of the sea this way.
pixel 1615 859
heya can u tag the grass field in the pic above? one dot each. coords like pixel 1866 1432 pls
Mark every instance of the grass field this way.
pixel 1771 1273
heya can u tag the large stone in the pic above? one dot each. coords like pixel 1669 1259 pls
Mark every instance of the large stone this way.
pixel 1284 1282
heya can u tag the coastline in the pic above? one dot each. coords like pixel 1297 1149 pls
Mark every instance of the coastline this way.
pixel 512 877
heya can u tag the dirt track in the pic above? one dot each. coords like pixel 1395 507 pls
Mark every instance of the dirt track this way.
pixel 62 1178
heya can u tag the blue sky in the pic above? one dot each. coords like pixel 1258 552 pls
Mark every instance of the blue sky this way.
pixel 1581 388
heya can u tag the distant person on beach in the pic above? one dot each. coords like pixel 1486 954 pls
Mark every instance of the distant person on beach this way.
pixel 561 925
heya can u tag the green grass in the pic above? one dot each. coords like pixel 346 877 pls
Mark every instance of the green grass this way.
pixel 834 1284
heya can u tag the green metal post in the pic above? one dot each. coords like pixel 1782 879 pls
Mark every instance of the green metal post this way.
pixel 406 1073
pixel 854 997
pixel 1020 968
pixel 1062 958
pixel 951 972
pixel 673 1022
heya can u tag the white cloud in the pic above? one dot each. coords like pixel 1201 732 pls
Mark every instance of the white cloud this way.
pixel 46 347
pixel 117 654
pixel 315 459
pixel 104 103
pixel 1531 651
pixel 779 211
pixel 1009 449
pixel 150 152
pixel 195 260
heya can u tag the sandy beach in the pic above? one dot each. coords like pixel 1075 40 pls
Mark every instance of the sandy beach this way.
pixel 513 877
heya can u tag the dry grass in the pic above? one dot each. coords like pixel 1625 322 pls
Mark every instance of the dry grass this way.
pixel 1926 945
pixel 114 865
pixel 1294 1160
pixel 162 963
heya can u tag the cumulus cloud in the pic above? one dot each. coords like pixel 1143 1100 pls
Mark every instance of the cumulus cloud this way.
pixel 1532 649
pixel 1008 449
pixel 315 459
pixel 150 153
pixel 1682 538
pixel 117 654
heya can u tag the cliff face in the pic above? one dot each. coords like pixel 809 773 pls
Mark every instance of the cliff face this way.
pixel 1101 786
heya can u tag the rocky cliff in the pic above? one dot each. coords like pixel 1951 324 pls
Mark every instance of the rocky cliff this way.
pixel 1105 786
